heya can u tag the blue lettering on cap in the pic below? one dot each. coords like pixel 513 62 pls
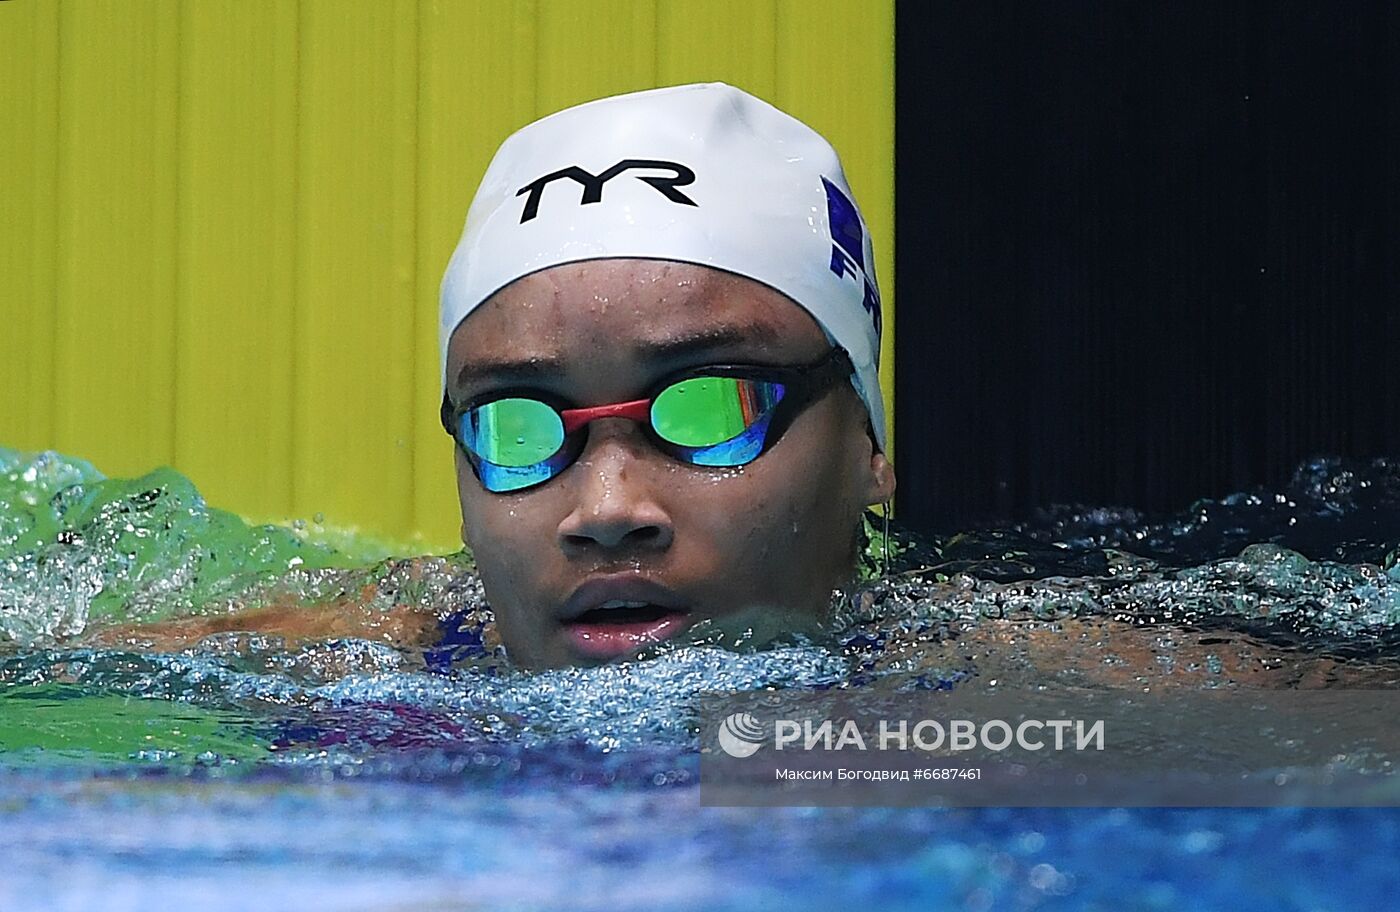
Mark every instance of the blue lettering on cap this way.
pixel 848 248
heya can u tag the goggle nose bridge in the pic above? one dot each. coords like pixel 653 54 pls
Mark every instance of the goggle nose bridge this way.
pixel 637 410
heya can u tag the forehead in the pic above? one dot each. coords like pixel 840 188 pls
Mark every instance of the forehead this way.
pixel 590 309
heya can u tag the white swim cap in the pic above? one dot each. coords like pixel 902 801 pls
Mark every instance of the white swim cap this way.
pixel 703 174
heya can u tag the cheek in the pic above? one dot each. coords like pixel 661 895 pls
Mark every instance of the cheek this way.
pixel 791 515
pixel 828 506
pixel 503 536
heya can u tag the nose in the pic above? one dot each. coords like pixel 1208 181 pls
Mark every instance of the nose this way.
pixel 615 506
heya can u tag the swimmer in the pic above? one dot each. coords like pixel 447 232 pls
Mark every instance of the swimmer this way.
pixel 660 332
pixel 659 342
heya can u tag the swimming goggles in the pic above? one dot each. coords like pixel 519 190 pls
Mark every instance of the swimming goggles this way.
pixel 720 416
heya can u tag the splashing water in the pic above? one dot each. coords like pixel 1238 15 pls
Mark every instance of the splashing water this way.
pixel 76 548
pixel 79 552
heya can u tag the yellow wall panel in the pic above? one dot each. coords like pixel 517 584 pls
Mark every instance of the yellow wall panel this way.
pixel 836 72
pixel 115 322
pixel 28 248
pixel 356 283
pixel 237 254
pixel 476 86
pixel 591 48
pixel 226 221
pixel 733 41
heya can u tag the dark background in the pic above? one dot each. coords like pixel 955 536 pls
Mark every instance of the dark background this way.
pixel 1146 252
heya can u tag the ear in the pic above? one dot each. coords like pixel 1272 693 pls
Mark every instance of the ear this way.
pixel 880 482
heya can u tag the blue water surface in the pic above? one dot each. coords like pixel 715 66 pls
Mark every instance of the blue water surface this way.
pixel 119 843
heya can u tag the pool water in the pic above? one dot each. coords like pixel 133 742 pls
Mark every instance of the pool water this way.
pixel 243 773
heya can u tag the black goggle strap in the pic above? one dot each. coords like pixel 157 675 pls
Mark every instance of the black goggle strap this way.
pixel 804 385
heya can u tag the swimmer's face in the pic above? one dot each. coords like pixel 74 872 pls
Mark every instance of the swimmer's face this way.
pixel 628 545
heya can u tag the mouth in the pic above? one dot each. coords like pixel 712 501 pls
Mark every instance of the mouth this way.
pixel 610 617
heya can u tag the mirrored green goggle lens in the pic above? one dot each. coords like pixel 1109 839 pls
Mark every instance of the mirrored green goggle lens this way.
pixel 513 432
pixel 705 411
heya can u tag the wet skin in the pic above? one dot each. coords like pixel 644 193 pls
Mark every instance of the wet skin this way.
pixel 756 547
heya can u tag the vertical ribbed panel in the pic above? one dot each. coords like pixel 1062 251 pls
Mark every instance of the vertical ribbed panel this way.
pixel 118 158
pixel 836 72
pixel 28 220
pixel 237 255
pixel 587 49
pixel 1156 247
pixel 354 408
pixel 472 96
pixel 734 41
pixel 225 223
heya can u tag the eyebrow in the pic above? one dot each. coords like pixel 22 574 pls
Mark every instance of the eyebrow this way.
pixel 650 352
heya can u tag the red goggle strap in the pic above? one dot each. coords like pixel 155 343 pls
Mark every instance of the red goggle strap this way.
pixel 637 410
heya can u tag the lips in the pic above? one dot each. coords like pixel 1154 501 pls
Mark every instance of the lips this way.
pixel 609 616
